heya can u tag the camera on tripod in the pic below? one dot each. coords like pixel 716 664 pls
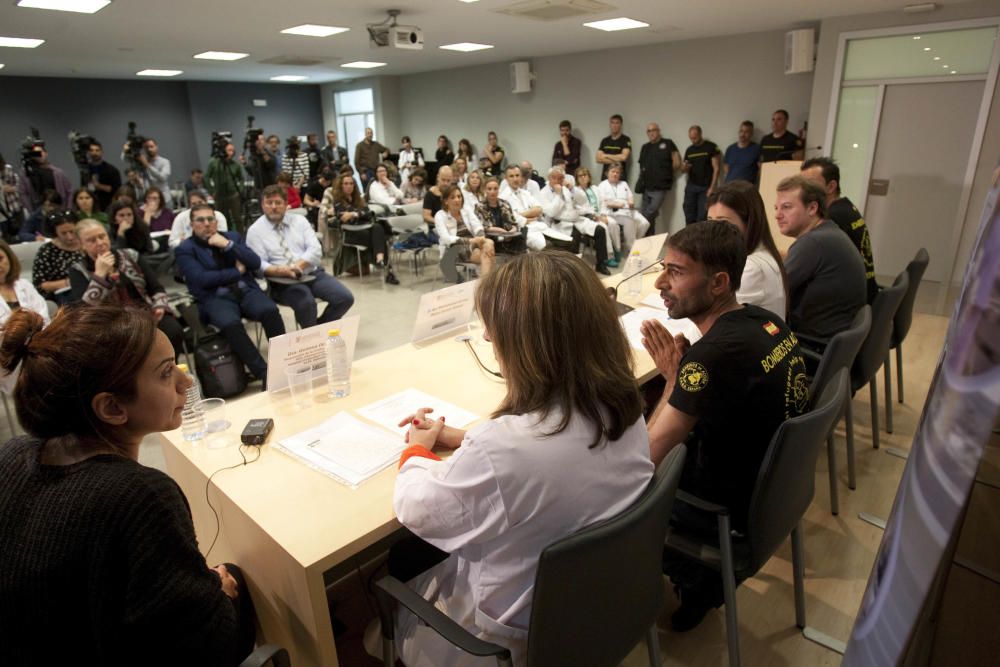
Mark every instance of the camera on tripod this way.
pixel 219 142
pixel 135 145
pixel 32 149
pixel 250 136
pixel 79 144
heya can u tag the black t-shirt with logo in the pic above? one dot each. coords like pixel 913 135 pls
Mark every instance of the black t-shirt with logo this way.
pixel 656 164
pixel 700 157
pixel 774 148
pixel 741 380
pixel 849 219
pixel 613 146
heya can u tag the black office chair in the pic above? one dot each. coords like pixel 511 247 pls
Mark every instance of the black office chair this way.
pixel 840 353
pixel 784 489
pixel 597 592
pixel 268 653
pixel 901 325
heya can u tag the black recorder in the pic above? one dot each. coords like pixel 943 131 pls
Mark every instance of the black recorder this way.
pixel 256 431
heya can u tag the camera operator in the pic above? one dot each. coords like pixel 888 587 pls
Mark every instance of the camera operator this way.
pixel 11 211
pixel 261 164
pixel 154 169
pixel 224 179
pixel 315 156
pixel 38 176
pixel 104 177
pixel 295 163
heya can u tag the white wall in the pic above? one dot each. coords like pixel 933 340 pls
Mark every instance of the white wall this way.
pixel 715 83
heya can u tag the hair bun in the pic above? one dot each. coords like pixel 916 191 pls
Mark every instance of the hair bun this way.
pixel 21 327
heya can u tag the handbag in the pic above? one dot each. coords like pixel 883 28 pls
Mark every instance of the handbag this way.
pixel 640 185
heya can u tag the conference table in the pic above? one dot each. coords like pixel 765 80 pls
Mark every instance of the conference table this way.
pixel 294 530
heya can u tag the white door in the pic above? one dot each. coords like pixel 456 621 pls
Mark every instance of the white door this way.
pixel 924 139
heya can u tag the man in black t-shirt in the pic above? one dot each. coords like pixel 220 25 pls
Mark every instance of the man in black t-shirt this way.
pixel 313 195
pixel 701 164
pixel 105 179
pixel 658 160
pixel 432 200
pixel 780 144
pixel 825 173
pixel 615 148
pixel 725 395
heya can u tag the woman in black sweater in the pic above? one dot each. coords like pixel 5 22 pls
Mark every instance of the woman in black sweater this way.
pixel 100 564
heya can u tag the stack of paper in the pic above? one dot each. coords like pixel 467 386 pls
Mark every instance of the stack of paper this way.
pixel 391 410
pixel 632 320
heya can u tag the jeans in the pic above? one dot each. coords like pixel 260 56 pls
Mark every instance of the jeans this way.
pixel 652 200
pixel 695 203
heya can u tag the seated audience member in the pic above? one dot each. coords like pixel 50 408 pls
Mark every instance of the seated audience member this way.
pixel 195 182
pixel 562 215
pixel 127 194
pixel 128 229
pixel 531 179
pixel 409 159
pixel 459 170
pixel 31 228
pixel 472 189
pixel 349 209
pixel 285 181
pixel 725 395
pixel 383 191
pixel 288 249
pixel 157 217
pixel 135 182
pixel 120 276
pixel 493 155
pixel 106 549
pixel 618 202
pixel 763 283
pixel 312 198
pixel 569 179
pixel 444 155
pixel 465 151
pixel 218 270
pixel 825 173
pixel 181 227
pixel 432 200
pixel 50 272
pixel 415 188
pixel 558 435
pixel 497 218
pixel 527 212
pixel 588 205
pixel 17 292
pixel 455 223
pixel 85 206
pixel 826 275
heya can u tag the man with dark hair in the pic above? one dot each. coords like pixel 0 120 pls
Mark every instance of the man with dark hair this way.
pixel 491 156
pixel 658 160
pixel 615 148
pixel 725 394
pixel 224 178
pixel 367 155
pixel 825 173
pixel 334 155
pixel 742 159
pixel 274 150
pixel 104 179
pixel 218 271
pixel 314 156
pixel 701 164
pixel 781 144
pixel 826 276
pixel 42 176
pixel 567 148
pixel 153 169
pixel 197 180
pixel 313 195
pixel 33 228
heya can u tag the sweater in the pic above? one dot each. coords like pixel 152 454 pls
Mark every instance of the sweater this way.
pixel 100 566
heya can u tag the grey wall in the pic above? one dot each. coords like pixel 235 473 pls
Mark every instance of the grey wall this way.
pixel 714 83
pixel 180 115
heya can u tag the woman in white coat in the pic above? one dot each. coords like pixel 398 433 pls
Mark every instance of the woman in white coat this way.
pixel 764 282
pixel 567 447
pixel 618 202
pixel 457 224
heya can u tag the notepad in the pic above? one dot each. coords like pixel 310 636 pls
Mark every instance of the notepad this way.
pixel 390 410
pixel 631 322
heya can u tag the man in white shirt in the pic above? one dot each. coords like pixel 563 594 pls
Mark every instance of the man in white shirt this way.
pixel 180 230
pixel 527 212
pixel 289 252
pixel 562 215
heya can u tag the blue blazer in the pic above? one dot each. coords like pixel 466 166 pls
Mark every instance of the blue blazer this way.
pixel 202 273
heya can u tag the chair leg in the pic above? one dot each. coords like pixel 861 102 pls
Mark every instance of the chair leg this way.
pixel 388 652
pixel 653 646
pixel 729 591
pixel 899 371
pixel 831 454
pixel 873 395
pixel 852 482
pixel 798 576
pixel 888 394
pixel 504 662
pixel 361 272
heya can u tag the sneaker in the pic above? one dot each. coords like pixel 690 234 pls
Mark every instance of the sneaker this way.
pixel 613 263
pixel 391 279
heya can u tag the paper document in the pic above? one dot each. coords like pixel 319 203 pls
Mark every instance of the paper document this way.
pixel 390 410
pixel 631 322
pixel 654 300
pixel 344 448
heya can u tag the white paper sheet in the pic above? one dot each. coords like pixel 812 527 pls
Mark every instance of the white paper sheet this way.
pixel 306 347
pixel 654 300
pixel 390 410
pixel 632 320
pixel 344 448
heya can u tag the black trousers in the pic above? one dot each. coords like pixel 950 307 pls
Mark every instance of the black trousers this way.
pixel 600 243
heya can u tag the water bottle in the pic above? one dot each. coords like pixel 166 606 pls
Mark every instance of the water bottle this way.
pixel 192 417
pixel 338 366
pixel 634 265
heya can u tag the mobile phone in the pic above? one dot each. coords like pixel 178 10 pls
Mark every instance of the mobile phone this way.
pixel 256 431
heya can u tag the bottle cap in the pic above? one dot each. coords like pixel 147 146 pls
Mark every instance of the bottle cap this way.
pixel 636 252
pixel 333 332
pixel 183 368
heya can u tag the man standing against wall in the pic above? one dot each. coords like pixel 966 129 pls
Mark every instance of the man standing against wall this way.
pixel 742 159
pixel 615 148
pixel 701 164
pixel 334 155
pixel 224 178
pixel 492 155
pixel 155 170
pixel 658 160
pixel 781 144
pixel 104 177
pixel 367 154
pixel 567 148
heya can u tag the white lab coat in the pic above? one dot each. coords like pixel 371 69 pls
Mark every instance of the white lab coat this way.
pixel 447 227
pixel 30 299
pixel 387 195
pixel 507 493
pixel 406 159
pixel 587 225
pixel 761 283
pixel 521 200
pixel 633 223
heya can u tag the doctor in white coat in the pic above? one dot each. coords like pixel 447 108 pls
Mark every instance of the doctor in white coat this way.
pixel 618 202
pixel 566 447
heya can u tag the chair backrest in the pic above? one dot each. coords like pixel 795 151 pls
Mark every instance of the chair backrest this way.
pixel 840 352
pixel 599 590
pixel 904 316
pixel 873 351
pixel 786 480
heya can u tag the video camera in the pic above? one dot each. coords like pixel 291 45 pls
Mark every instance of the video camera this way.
pixel 219 142
pixel 250 136
pixel 31 149
pixel 135 142
pixel 79 144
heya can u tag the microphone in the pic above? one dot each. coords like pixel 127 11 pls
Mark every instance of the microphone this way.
pixel 613 291
pixel 467 339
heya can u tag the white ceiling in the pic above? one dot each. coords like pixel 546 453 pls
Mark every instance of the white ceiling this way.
pixel 130 35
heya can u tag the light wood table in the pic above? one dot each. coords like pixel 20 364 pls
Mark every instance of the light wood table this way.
pixel 290 527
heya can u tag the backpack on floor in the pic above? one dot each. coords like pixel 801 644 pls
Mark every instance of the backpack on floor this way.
pixel 220 372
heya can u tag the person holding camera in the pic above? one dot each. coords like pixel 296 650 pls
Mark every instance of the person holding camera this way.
pixel 39 176
pixel 349 208
pixel 224 177
pixel 153 168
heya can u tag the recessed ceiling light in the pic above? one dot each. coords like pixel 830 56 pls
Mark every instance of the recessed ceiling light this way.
pixel 927 48
pixel 937 57
pixel 288 77
pixel 466 47
pixel 220 55
pixel 621 23
pixel 363 64
pixel 954 72
pixel 468 1
pixel 854 145
pixel 159 72
pixel 916 37
pixel 945 66
pixel 79 6
pixel 20 42
pixel 1 65
pixel 310 30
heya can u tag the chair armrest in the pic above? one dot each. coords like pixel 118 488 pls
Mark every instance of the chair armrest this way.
pixel 436 619
pixel 356 228
pixel 812 354
pixel 815 340
pixel 702 504
pixel 262 654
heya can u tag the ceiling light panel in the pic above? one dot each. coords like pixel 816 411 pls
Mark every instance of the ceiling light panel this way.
pixel 613 25
pixel 221 55
pixel 311 30
pixel 159 72
pixel 78 6
pixel 363 64
pixel 288 77
pixel 20 42
pixel 466 47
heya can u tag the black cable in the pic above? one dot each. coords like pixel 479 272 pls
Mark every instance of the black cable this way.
pixel 479 361
pixel 208 482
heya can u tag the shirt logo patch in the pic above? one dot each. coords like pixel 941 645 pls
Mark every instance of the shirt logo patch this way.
pixel 693 377
pixel 663 146
pixel 772 328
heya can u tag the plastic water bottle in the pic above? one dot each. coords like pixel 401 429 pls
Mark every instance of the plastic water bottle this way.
pixel 338 366
pixel 634 265
pixel 192 417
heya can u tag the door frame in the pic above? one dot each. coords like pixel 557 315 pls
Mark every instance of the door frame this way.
pixel 989 88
